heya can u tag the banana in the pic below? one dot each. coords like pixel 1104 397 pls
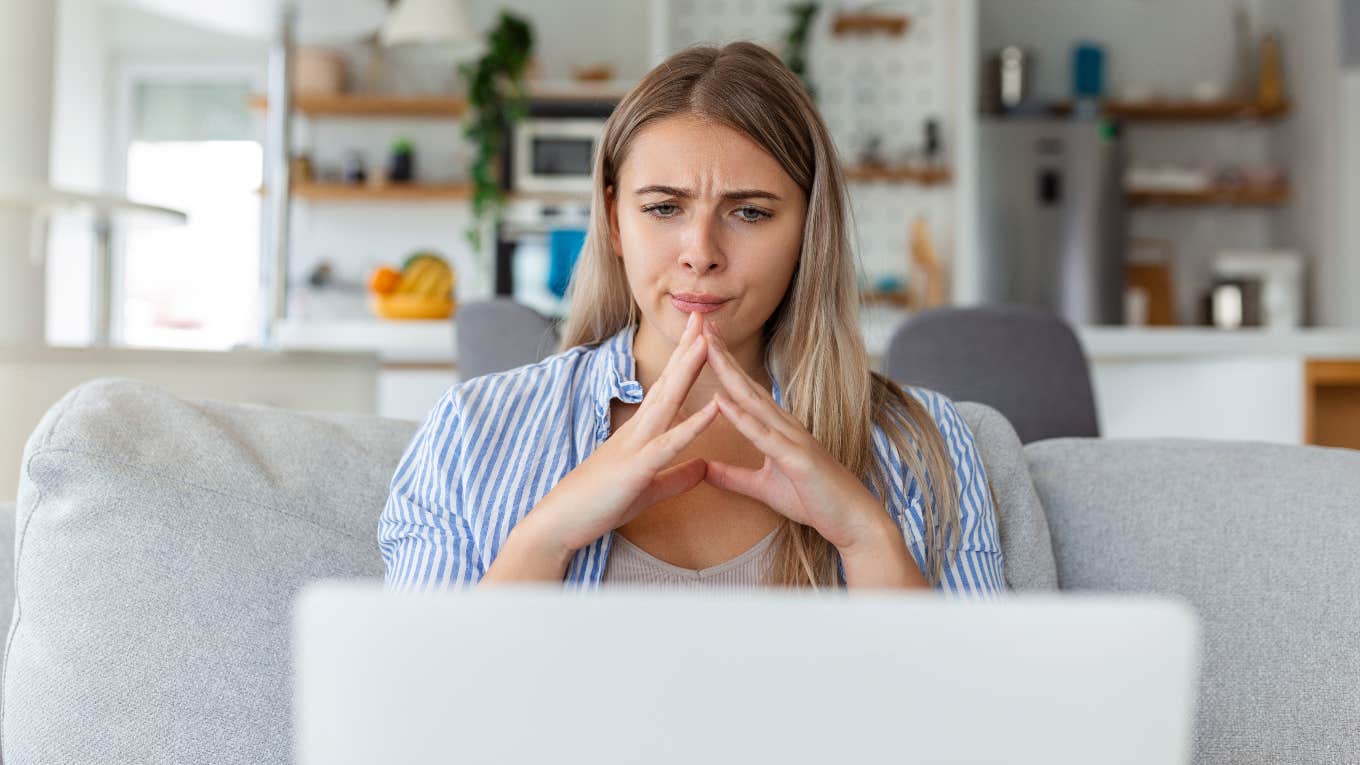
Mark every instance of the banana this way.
pixel 434 276
pixel 426 275
pixel 410 275
pixel 421 271
pixel 444 285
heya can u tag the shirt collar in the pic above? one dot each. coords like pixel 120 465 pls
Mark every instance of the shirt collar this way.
pixel 614 371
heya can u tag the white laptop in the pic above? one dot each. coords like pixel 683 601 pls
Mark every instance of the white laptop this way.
pixel 534 675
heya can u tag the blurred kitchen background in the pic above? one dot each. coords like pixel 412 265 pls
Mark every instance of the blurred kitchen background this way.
pixel 1179 181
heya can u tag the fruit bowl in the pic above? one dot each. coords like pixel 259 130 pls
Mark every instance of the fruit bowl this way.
pixel 401 305
pixel 421 289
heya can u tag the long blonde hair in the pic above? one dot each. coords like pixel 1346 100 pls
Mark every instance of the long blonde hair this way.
pixel 812 340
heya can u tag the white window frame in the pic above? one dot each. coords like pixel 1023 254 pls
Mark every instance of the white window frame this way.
pixel 128 72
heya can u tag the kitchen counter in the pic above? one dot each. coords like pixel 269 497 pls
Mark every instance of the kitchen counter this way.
pixel 1115 343
pixel 1169 343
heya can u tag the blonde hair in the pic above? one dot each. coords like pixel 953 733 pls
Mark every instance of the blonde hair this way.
pixel 812 340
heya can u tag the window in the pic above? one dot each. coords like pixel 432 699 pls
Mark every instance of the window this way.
pixel 192 147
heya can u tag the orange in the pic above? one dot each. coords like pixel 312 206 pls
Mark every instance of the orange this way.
pixel 383 280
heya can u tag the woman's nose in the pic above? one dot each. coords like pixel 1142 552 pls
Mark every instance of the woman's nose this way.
pixel 702 253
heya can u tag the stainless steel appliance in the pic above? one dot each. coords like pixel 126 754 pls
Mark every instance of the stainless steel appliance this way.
pixel 552 149
pixel 555 154
pixel 1052 216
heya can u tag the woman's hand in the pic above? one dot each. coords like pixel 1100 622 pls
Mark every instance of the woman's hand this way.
pixel 799 479
pixel 628 473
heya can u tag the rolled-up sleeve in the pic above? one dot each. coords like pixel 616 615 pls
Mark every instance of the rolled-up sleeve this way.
pixel 425 540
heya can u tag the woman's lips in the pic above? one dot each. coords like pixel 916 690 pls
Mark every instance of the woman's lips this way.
pixel 695 307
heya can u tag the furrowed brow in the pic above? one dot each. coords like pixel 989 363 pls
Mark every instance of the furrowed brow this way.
pixel 687 194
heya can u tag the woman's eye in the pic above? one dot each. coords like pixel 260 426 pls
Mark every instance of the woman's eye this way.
pixel 667 210
pixel 759 216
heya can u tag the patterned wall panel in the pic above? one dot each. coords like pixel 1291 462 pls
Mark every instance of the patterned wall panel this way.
pixel 867 86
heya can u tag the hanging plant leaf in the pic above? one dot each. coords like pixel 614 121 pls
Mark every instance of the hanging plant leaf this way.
pixel 497 99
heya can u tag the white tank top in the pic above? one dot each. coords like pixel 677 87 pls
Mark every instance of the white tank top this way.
pixel 631 565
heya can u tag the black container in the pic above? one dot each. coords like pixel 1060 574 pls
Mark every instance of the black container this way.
pixel 403 168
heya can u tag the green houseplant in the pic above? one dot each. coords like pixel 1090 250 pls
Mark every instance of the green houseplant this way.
pixel 497 98
pixel 796 40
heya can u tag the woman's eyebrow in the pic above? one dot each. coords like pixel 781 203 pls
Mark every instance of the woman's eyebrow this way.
pixel 686 193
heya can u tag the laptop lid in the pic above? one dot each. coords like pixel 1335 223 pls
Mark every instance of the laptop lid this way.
pixel 536 675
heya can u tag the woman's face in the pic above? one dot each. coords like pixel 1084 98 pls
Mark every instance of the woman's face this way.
pixel 705 220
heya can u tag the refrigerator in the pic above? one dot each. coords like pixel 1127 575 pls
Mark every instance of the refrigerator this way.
pixel 1052 216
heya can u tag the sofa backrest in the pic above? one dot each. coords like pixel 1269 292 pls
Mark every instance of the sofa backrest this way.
pixel 1262 540
pixel 160 543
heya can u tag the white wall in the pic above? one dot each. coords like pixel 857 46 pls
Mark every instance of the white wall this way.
pixel 1347 295
pixel 25 89
pixel 1310 143
pixel 580 32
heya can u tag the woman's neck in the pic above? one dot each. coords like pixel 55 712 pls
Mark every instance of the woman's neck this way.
pixel 651 351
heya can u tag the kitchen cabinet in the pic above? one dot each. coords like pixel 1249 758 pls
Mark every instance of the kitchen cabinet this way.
pixel 1332 402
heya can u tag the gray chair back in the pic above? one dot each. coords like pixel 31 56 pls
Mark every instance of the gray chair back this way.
pixel 499 334
pixel 1025 363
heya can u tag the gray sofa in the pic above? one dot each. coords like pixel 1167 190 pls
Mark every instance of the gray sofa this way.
pixel 159 542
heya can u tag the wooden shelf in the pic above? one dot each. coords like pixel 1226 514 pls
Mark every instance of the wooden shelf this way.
pixel 372 105
pixel 417 192
pixel 1182 111
pixel 926 176
pixel 435 106
pixel 900 299
pixel 869 23
pixel 1232 197
pixel 427 192
pixel 394 192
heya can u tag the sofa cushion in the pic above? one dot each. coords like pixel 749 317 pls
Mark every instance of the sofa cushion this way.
pixel 1025 545
pixel 160 542
pixel 1261 539
pixel 6 573
pixel 6 563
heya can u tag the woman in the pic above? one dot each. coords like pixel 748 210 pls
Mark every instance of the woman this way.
pixel 711 417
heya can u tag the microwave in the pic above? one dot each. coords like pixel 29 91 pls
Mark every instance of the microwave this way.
pixel 555 155
pixel 552 149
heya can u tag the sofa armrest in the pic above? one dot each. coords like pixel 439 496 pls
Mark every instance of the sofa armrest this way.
pixel 1025 545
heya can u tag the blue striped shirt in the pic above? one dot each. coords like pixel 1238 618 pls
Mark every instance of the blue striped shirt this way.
pixel 494 445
